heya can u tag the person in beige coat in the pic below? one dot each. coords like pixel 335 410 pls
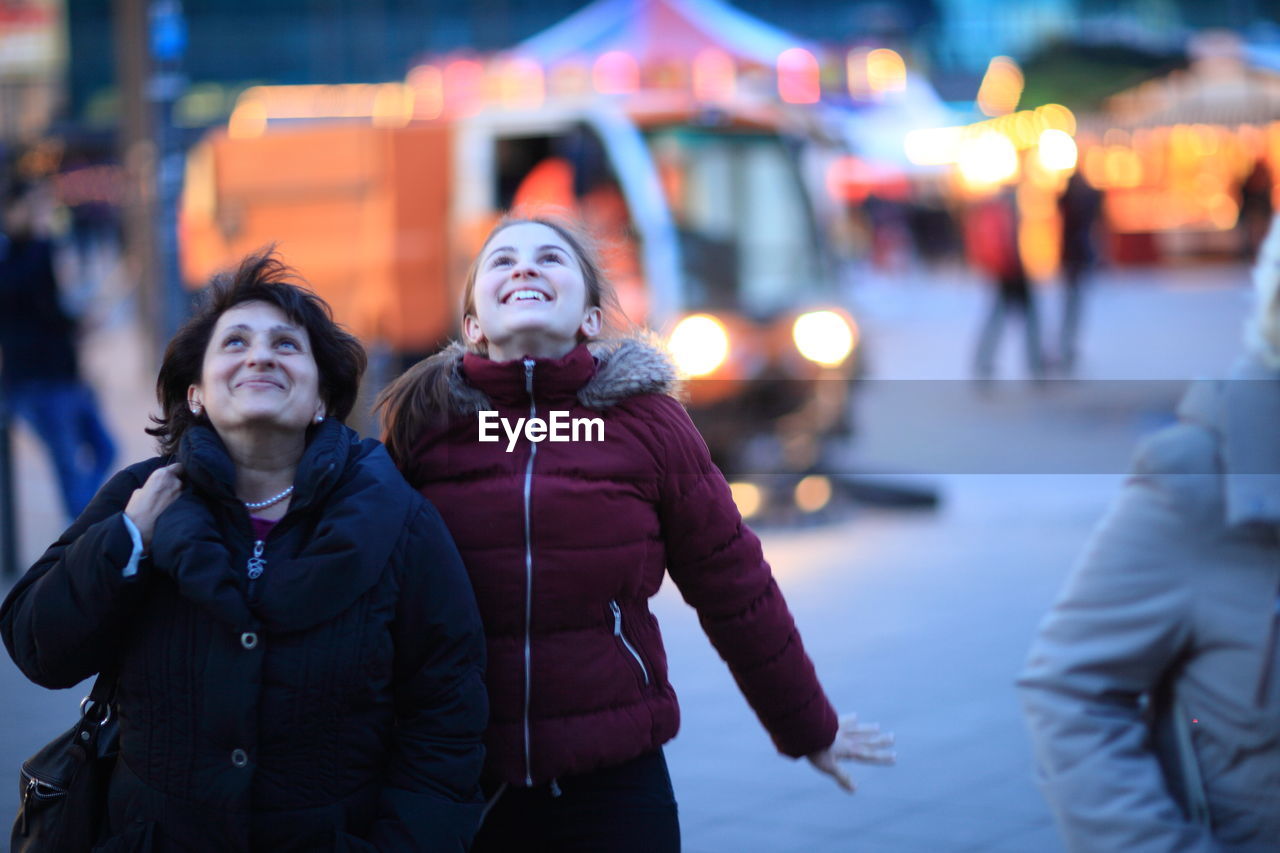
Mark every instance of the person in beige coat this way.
pixel 1152 688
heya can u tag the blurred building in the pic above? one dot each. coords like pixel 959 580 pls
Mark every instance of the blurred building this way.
pixel 32 57
pixel 235 43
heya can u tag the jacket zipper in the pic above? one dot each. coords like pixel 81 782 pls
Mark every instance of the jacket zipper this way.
pixel 528 577
pixel 617 632
pixel 255 565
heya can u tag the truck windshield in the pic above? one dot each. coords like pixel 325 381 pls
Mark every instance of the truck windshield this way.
pixel 747 237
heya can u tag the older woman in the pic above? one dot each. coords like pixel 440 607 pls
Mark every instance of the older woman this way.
pixel 298 652
pixel 1153 687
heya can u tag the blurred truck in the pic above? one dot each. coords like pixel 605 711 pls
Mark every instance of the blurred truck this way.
pixel 713 221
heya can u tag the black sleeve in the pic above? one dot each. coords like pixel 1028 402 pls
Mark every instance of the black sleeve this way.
pixel 63 619
pixel 431 799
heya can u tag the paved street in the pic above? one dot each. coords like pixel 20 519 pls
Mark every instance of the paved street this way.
pixel 917 620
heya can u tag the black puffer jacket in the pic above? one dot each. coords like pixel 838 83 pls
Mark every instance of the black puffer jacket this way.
pixel 354 721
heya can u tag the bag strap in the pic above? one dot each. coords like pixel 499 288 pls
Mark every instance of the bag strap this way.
pixel 101 696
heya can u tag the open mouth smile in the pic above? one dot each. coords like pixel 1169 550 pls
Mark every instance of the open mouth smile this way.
pixel 526 294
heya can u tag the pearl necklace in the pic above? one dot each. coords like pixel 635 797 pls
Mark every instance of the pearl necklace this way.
pixel 269 501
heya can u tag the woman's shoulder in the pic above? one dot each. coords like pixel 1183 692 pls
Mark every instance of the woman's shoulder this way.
pixel 372 466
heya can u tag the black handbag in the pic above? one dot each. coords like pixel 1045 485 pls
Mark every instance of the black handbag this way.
pixel 64 786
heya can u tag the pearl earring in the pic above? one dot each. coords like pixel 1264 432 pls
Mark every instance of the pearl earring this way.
pixel 319 419
pixel 195 408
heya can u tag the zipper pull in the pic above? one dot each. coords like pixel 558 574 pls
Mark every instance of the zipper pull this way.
pixel 256 562
pixel 528 376
pixel 27 794
pixel 617 618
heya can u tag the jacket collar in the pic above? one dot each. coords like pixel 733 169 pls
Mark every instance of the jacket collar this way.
pixel 352 485
pixel 599 374
pixel 207 464
pixel 552 380
pixel 1244 411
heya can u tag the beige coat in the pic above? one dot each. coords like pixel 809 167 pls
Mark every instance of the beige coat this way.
pixel 1172 613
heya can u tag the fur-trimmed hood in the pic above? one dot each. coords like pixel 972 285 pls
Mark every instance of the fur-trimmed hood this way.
pixel 625 367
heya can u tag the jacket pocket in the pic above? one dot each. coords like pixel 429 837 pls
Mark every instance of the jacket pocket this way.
pixel 620 634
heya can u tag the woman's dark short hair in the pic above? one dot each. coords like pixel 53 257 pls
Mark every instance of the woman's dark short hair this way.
pixel 261 277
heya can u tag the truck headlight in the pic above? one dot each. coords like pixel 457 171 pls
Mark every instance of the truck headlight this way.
pixel 699 344
pixel 825 337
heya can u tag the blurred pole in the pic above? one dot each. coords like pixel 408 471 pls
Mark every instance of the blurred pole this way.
pixel 8 529
pixel 137 154
pixel 150 37
pixel 168 42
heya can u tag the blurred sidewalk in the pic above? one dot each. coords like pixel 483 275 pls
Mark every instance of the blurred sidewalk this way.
pixel 1137 323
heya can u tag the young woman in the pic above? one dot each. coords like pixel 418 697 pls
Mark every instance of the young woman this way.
pixel 566 541
pixel 298 654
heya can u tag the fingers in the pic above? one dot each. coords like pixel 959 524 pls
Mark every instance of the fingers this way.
pixel 870 740
pixel 168 475
pixel 875 749
pixel 850 725
pixel 863 742
pixel 825 762
pixel 155 496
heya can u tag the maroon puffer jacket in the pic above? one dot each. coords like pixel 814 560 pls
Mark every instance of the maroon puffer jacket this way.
pixel 565 544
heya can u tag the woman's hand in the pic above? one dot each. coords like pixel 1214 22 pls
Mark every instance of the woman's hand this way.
pixel 854 742
pixel 157 493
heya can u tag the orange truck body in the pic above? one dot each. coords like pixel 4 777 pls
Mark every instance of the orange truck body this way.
pixel 361 212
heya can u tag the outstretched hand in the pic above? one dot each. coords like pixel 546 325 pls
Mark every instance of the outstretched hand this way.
pixel 854 742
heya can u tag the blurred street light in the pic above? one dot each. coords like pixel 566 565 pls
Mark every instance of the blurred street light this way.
pixel 1057 150
pixel 699 344
pixel 987 160
pixel 824 337
pixel 1001 87
pixel 747 497
pixel 812 493
pixel 886 71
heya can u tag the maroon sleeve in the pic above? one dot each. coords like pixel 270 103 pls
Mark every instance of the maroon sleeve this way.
pixel 719 568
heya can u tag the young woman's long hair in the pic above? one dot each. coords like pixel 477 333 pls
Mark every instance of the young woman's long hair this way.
pixel 420 397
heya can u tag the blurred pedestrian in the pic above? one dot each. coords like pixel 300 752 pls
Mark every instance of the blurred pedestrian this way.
pixel 40 376
pixel 567 541
pixel 1254 197
pixel 296 652
pixel 1079 207
pixel 991 242
pixel 1153 687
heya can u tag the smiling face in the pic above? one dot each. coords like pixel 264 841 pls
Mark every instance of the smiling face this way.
pixel 530 297
pixel 258 373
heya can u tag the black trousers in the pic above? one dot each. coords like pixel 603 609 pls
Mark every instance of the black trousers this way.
pixel 628 808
